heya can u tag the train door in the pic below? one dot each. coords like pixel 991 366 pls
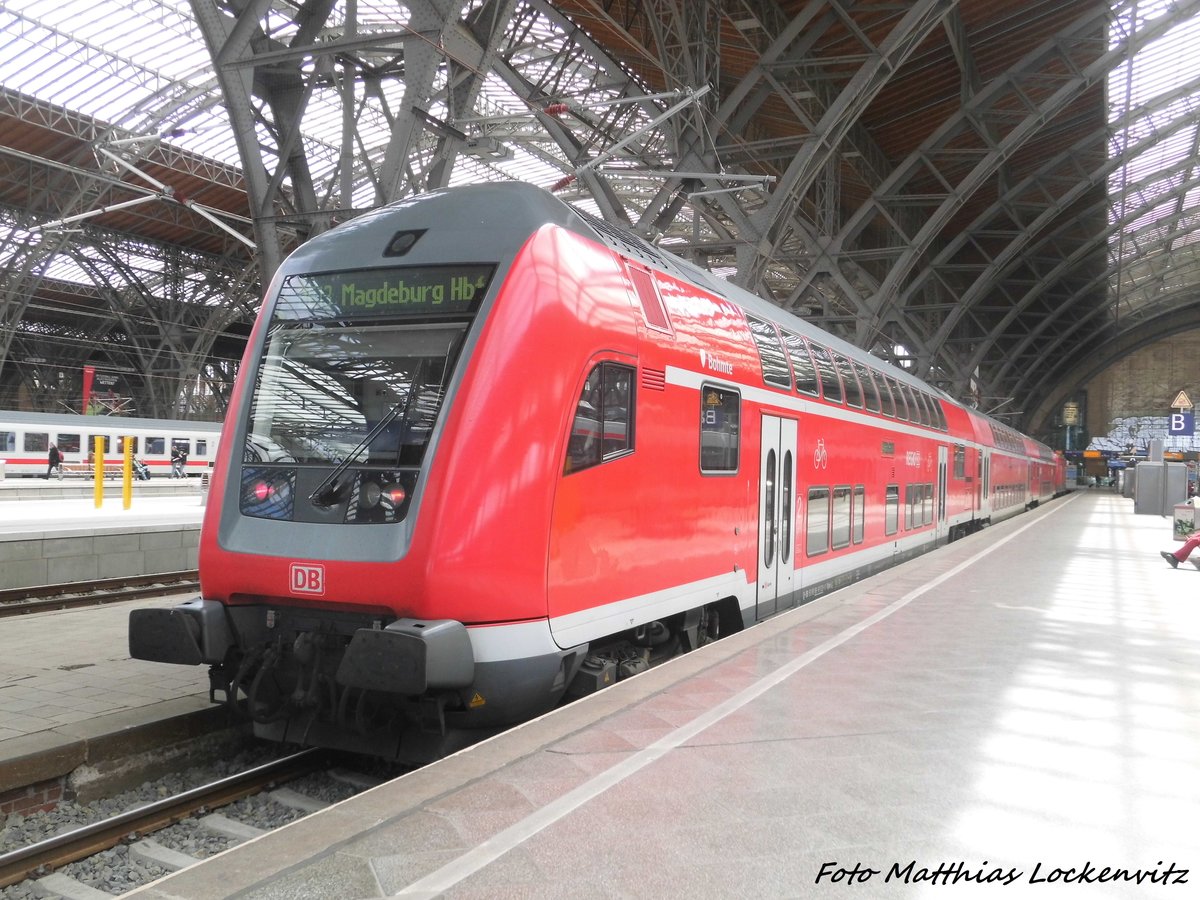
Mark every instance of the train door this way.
pixel 940 498
pixel 776 515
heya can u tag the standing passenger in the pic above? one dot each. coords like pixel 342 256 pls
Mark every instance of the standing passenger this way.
pixel 55 460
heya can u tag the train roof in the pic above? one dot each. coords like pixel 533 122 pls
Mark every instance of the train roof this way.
pixel 492 221
pixel 73 420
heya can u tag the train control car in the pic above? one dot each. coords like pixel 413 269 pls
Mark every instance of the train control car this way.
pixel 25 440
pixel 486 453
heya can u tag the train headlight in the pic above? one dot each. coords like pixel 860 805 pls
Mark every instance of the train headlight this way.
pixel 369 494
pixel 268 493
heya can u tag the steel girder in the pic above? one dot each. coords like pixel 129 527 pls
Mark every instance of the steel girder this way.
pixel 886 273
pixel 962 154
pixel 978 264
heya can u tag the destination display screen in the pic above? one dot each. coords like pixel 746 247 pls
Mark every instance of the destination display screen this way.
pixel 410 291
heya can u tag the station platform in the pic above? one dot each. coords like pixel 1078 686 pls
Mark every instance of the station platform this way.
pixel 1018 709
pixel 54 534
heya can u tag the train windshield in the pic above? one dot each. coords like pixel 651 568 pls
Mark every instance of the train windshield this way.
pixel 322 390
pixel 349 389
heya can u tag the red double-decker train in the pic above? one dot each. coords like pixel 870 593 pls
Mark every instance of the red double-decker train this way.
pixel 486 451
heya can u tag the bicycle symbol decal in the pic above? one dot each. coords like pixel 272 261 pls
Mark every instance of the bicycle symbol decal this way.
pixel 820 455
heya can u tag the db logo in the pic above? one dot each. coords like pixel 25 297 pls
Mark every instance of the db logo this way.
pixel 308 579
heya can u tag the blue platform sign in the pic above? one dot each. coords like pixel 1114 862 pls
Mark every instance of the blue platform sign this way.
pixel 1181 424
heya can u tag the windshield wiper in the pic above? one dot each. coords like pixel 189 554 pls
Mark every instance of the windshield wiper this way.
pixel 329 491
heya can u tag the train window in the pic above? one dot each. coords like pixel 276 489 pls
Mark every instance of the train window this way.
pixel 91 443
pixel 653 309
pixel 831 385
pixel 817 527
pixel 770 352
pixel 601 429
pixel 849 381
pixel 36 441
pixel 935 421
pixel 802 364
pixel 8 442
pixel 156 446
pixel 841 516
pixel 858 512
pixel 910 401
pixel 960 461
pixel 911 500
pixel 935 411
pixel 69 443
pixel 768 524
pixel 720 414
pixel 891 509
pixel 898 396
pixel 927 505
pixel 886 403
pixel 926 407
pixel 201 447
pixel 364 386
pixel 870 392
pixel 133 444
pixel 786 505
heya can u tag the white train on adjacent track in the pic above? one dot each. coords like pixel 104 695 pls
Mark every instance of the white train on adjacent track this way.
pixel 25 440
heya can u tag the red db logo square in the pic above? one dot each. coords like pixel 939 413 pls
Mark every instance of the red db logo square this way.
pixel 308 578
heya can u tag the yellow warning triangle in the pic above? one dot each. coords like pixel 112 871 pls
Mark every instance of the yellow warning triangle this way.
pixel 1181 401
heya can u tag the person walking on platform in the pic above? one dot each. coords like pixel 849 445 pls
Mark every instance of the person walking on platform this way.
pixel 55 461
pixel 1183 552
pixel 179 461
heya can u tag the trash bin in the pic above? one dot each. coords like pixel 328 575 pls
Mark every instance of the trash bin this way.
pixel 1184 521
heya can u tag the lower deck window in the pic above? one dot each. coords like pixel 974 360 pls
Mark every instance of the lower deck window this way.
pixel 817 526
pixel 841 517
pixel 891 510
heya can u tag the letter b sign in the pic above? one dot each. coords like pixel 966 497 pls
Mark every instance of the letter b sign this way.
pixel 1180 423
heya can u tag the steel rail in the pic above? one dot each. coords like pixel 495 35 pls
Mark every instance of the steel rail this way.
pixel 45 856
pixel 20 601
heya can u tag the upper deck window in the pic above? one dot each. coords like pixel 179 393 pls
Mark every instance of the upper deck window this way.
pixel 870 392
pixel 854 395
pixel 831 385
pixel 770 351
pixel 802 364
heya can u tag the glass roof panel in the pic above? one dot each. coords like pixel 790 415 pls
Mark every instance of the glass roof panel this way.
pixel 1149 214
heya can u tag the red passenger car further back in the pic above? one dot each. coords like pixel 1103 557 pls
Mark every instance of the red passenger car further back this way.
pixel 486 452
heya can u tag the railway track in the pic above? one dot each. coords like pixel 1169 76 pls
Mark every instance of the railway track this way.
pixel 21 601
pixel 43 860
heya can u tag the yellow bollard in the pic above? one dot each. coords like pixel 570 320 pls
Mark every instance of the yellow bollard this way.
pixel 127 475
pixel 98 470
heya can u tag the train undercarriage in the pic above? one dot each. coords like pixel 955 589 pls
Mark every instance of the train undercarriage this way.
pixel 405 690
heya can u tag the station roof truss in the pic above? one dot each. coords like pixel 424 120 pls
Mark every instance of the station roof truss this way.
pixel 999 195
